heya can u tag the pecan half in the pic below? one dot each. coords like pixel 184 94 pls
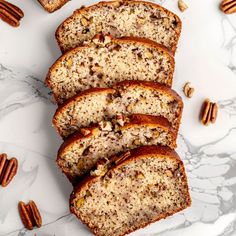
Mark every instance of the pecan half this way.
pixel 228 6
pixel 8 169
pixel 208 112
pixel 30 215
pixel 10 13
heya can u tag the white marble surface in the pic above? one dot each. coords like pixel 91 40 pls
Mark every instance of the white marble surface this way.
pixel 206 57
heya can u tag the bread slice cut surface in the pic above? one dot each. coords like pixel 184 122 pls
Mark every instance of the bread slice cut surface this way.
pixel 105 61
pixel 81 152
pixel 120 19
pixel 144 185
pixel 128 97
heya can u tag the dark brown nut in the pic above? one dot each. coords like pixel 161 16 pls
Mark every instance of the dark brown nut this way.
pixel 10 13
pixel 208 112
pixel 35 213
pixel 228 6
pixel 30 215
pixel 214 112
pixel 205 113
pixel 188 91
pixel 8 169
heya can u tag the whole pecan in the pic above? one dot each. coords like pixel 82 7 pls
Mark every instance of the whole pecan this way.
pixel 8 169
pixel 228 6
pixel 30 215
pixel 10 13
pixel 208 112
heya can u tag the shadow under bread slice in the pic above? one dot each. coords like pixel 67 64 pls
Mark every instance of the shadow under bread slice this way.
pixel 106 61
pixel 120 18
pixel 138 188
pixel 81 152
pixel 127 97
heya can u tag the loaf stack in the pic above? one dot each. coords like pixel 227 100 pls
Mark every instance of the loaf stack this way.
pixel 118 116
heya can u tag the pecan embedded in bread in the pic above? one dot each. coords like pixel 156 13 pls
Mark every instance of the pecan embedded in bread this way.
pixel 79 153
pixel 106 61
pixel 127 97
pixel 120 19
pixel 140 189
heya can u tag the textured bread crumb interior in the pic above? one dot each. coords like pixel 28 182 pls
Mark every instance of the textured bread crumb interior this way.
pixel 96 107
pixel 103 66
pixel 132 196
pixel 128 19
pixel 83 154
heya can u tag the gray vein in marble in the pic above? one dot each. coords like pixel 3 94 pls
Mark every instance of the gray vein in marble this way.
pixel 18 90
pixel 229 43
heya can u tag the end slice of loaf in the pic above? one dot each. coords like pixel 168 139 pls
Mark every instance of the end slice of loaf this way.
pixel 144 185
pixel 52 5
pixel 120 18
pixel 80 153
pixel 127 97
pixel 106 61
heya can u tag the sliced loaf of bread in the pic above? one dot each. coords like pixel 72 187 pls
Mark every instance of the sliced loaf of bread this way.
pixel 127 97
pixel 52 5
pixel 80 153
pixel 120 19
pixel 105 61
pixel 140 187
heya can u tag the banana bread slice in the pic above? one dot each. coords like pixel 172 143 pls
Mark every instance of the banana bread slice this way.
pixel 80 153
pixel 140 187
pixel 120 19
pixel 127 97
pixel 105 61
pixel 52 5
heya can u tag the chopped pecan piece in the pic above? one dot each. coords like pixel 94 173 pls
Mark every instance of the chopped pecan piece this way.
pixel 188 91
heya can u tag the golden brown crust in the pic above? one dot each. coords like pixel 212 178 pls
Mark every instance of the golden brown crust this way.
pixel 141 152
pixel 81 95
pixel 135 120
pixel 82 10
pixel 135 40
pixel 152 85
pixel 147 85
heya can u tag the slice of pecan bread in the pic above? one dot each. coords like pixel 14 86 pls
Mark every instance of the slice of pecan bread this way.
pixel 140 187
pixel 105 61
pixel 80 153
pixel 120 18
pixel 127 97
pixel 52 5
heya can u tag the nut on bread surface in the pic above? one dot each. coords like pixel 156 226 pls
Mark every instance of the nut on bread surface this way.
pixel 80 153
pixel 106 61
pixel 127 97
pixel 120 19
pixel 147 185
